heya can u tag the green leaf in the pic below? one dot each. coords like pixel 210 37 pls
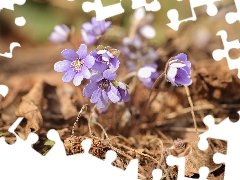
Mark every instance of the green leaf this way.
pixel 45 153
pixel 115 83
pixel 48 142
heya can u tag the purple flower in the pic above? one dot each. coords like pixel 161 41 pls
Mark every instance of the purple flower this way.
pixel 101 89
pixel 76 65
pixel 104 59
pixel 91 31
pixel 122 88
pixel 135 52
pixel 178 70
pixel 61 34
pixel 147 74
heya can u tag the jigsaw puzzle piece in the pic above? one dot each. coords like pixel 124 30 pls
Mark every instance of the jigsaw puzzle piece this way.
pixel 102 12
pixel 232 17
pixel 218 54
pixel 153 6
pixel 180 162
pixel 173 14
pixel 58 149
pixel 103 169
pixel 229 131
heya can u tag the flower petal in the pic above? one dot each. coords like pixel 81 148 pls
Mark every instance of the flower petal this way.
pixel 62 29
pixel 89 61
pixel 172 72
pixel 69 54
pixel 109 74
pixel 99 66
pixel 94 53
pixel 95 96
pixel 88 38
pixel 107 24
pixel 113 94
pixel 145 72
pixel 96 77
pixel 62 66
pixel 103 101
pixel 86 73
pixel 77 79
pixel 114 64
pixel 87 26
pixel 183 78
pixel 57 38
pixel 181 57
pixel 89 89
pixel 124 95
pixel 82 51
pixel 176 64
pixel 68 76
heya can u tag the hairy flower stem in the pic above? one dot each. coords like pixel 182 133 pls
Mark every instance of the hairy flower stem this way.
pixel 146 104
pixel 192 110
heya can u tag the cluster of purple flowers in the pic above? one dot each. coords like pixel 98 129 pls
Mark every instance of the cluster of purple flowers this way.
pixel 141 59
pixel 99 66
pixel 90 32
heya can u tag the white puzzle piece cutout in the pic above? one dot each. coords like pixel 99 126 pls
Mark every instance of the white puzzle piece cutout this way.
pixel 9 54
pixel 102 12
pixel 180 162
pixel 3 90
pixel 153 6
pixel 219 54
pixel 19 21
pixel 9 4
pixel 21 161
pixel 230 132
pixel 232 17
pixel 173 14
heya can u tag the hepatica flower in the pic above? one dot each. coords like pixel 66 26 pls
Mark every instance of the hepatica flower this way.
pixel 76 65
pixel 92 30
pixel 105 58
pixel 61 34
pixel 147 74
pixel 122 88
pixel 101 89
pixel 178 70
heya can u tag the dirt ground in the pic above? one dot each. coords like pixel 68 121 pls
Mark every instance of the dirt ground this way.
pixel 37 93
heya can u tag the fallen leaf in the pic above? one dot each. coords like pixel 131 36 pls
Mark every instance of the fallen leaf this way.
pixel 31 108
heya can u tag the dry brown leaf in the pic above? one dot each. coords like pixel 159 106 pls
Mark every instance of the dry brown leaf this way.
pixel 31 108
pixel 67 108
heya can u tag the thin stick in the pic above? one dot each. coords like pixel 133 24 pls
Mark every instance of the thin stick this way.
pixel 74 125
pixel 156 83
pixel 192 109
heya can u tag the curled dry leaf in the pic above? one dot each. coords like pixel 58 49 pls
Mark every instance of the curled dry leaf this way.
pixel 31 108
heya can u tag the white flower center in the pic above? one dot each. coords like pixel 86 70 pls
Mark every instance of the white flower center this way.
pixel 77 65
